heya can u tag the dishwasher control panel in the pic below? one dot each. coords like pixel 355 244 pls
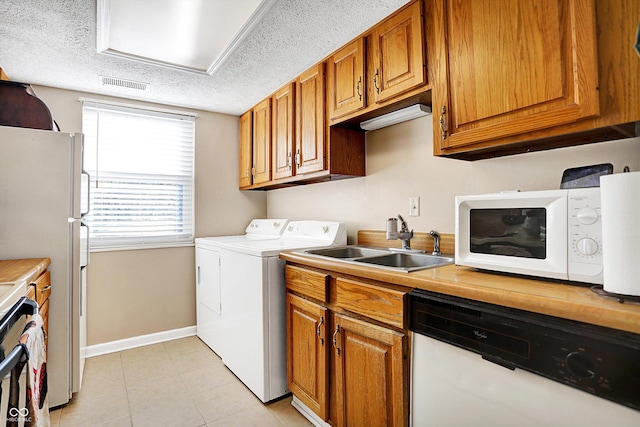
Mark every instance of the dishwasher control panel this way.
pixel 602 361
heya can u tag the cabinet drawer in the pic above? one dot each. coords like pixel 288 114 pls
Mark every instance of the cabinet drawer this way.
pixel 31 292
pixel 43 287
pixel 307 282
pixel 375 302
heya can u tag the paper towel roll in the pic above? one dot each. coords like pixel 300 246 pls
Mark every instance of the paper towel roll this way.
pixel 620 198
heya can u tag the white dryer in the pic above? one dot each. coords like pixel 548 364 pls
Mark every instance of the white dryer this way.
pixel 253 329
pixel 208 303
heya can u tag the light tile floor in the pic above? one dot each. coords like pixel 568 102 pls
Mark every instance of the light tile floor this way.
pixel 180 383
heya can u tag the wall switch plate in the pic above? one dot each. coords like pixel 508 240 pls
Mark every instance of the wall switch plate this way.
pixel 414 206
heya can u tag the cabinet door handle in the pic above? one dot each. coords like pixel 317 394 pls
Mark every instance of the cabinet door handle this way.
pixel 45 289
pixel 298 159
pixel 358 88
pixel 318 331
pixel 375 81
pixel 198 275
pixel 289 160
pixel 335 339
pixel 442 126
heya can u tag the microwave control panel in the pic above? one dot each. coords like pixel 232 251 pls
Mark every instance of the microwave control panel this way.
pixel 585 235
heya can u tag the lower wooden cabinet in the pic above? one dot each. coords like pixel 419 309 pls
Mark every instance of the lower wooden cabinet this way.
pixel 307 353
pixel 349 369
pixel 370 374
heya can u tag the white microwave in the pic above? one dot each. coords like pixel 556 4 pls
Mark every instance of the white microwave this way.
pixel 555 233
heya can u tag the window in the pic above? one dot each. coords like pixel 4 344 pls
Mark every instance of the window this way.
pixel 141 167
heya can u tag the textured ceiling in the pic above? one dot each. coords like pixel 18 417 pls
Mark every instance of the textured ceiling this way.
pixel 53 43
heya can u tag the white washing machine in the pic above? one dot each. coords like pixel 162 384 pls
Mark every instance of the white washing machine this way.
pixel 208 302
pixel 252 285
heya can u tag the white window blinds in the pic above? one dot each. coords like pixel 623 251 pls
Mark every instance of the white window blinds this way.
pixel 141 167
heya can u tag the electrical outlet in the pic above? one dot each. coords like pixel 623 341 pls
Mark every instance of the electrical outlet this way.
pixel 414 206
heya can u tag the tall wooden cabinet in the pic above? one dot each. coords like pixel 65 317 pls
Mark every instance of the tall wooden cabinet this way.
pixel 347 346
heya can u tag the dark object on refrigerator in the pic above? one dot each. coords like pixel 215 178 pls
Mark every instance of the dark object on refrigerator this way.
pixel 20 107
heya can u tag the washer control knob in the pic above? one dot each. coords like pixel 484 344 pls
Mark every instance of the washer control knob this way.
pixel 587 246
pixel 587 216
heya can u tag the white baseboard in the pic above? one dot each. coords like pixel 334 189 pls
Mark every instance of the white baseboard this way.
pixel 308 413
pixel 128 343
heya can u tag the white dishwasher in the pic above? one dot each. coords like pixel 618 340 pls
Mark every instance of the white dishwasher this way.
pixel 546 371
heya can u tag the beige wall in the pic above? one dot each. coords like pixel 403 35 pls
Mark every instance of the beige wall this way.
pixel 132 293
pixel 400 164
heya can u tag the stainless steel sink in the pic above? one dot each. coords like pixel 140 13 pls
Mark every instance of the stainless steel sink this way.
pixel 390 259
pixel 408 262
pixel 348 252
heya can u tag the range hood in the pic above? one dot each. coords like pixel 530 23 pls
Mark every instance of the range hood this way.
pixel 398 116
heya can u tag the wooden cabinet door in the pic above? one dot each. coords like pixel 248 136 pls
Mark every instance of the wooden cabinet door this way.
pixel 262 142
pixel 283 129
pixel 397 54
pixel 346 79
pixel 310 121
pixel 307 344
pixel 246 148
pixel 371 374
pixel 504 68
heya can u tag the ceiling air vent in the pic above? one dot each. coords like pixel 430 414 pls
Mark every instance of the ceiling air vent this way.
pixel 130 84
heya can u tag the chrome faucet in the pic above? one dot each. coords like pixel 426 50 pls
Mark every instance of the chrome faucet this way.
pixel 436 242
pixel 405 235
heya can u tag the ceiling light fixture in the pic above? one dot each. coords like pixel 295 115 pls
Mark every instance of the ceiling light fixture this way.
pixel 398 116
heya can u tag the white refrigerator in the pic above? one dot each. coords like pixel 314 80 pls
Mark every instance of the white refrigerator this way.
pixel 41 208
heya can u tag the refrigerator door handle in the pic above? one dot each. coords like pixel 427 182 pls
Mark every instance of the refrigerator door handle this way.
pixel 88 194
pixel 84 262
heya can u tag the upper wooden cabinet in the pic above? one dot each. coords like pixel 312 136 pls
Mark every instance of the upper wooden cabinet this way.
pixel 246 149
pixel 283 132
pixel 514 67
pixel 310 121
pixel 346 79
pixel 291 124
pixel 397 54
pixel 387 62
pixel 516 76
pixel 262 142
